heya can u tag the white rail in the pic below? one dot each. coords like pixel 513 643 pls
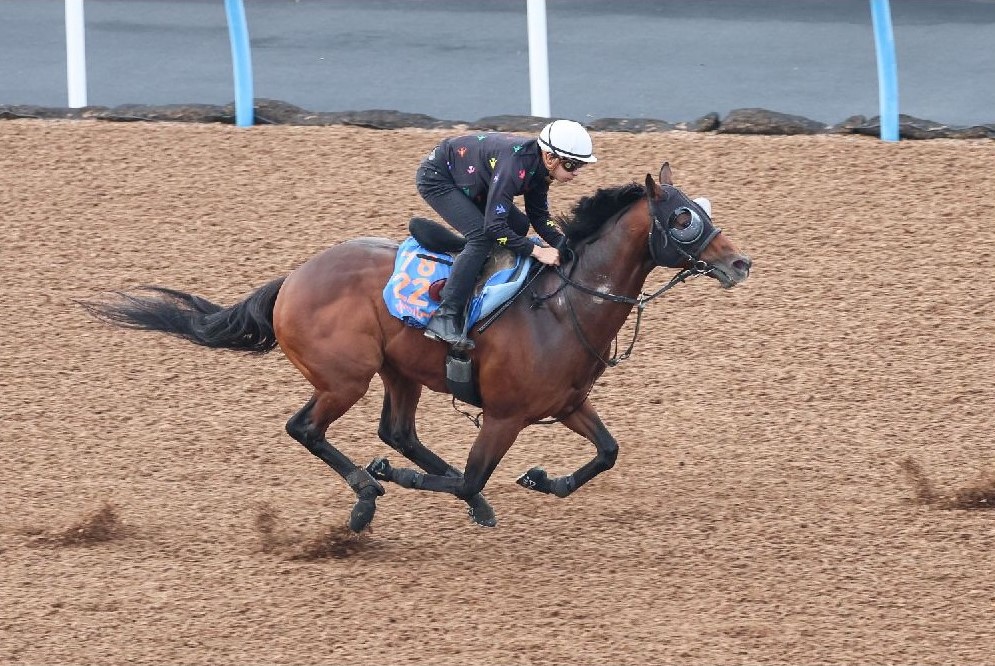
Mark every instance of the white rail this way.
pixel 538 58
pixel 75 54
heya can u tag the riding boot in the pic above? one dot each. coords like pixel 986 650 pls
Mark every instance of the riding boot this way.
pixel 447 325
pixel 448 322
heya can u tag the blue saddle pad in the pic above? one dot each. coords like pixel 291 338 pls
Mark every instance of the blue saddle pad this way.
pixel 416 269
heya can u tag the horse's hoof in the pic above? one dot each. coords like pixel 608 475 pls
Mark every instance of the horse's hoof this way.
pixel 363 512
pixel 483 516
pixel 534 479
pixel 379 469
pixel 481 512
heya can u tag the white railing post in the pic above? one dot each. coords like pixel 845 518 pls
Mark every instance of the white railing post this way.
pixel 75 54
pixel 538 58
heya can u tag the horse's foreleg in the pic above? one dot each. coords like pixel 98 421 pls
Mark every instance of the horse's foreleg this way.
pixel 397 430
pixel 585 422
pixel 493 441
pixel 308 426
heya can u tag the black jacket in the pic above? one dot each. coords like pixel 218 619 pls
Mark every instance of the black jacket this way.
pixel 492 169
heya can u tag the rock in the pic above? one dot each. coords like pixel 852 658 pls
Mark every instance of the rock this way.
pixel 276 112
pixel 635 125
pixel 527 124
pixel 13 112
pixel 177 113
pixel 707 123
pixel 762 121
pixel 847 126
pixel 986 131
pixel 383 119
pixel 910 127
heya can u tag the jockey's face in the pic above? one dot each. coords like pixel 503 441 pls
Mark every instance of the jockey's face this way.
pixel 561 169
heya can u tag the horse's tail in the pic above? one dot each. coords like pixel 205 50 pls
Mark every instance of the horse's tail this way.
pixel 245 326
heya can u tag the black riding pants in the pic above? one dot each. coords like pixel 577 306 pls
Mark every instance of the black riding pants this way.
pixel 440 192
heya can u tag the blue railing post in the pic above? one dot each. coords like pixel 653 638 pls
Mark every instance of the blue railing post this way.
pixel 884 42
pixel 238 34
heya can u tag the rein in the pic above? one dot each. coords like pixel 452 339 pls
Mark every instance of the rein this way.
pixel 640 302
pixel 697 267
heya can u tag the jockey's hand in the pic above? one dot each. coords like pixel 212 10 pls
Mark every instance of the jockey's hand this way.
pixel 547 255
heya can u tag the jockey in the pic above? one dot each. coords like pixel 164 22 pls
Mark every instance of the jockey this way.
pixel 472 181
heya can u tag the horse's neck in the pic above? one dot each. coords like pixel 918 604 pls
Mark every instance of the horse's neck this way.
pixel 616 263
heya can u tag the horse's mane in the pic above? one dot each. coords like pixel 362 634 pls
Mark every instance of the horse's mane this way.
pixel 591 213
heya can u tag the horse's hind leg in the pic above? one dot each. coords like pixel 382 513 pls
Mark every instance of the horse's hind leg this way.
pixel 309 425
pixel 397 430
pixel 494 439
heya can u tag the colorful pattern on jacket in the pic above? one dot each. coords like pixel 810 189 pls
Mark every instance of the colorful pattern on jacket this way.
pixel 493 168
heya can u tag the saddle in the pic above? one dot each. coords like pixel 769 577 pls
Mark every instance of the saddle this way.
pixel 421 267
pixel 423 263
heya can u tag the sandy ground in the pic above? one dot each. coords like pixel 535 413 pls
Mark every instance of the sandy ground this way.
pixel 771 503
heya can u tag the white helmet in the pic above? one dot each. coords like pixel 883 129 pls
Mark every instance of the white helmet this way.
pixel 569 139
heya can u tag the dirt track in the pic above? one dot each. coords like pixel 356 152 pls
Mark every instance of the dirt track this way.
pixel 154 511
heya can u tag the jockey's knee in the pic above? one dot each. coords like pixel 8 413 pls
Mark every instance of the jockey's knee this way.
pixel 477 237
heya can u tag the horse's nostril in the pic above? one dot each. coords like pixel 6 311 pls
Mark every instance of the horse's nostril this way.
pixel 743 265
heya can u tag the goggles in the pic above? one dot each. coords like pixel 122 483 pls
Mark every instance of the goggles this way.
pixel 570 165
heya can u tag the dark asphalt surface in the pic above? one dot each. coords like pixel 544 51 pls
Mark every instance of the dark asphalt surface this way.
pixel 462 60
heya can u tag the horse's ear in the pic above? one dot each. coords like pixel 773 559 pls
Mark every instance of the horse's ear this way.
pixel 652 189
pixel 666 176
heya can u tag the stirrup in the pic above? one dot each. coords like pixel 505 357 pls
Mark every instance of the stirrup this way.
pixel 448 326
pixel 464 344
pixel 460 343
pixel 450 336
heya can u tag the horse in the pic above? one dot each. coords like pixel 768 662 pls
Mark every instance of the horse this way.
pixel 538 361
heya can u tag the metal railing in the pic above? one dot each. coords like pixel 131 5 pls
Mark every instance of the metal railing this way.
pixel 238 33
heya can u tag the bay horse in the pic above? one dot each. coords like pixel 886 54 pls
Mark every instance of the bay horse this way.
pixel 538 361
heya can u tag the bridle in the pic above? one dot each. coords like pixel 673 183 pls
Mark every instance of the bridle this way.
pixel 668 247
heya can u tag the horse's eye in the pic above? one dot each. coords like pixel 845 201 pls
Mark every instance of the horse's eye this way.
pixel 682 221
pixel 686 225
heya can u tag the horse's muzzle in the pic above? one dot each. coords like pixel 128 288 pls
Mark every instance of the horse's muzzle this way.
pixel 732 271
